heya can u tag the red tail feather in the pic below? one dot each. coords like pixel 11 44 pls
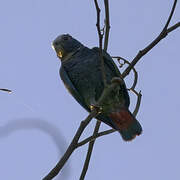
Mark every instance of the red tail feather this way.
pixel 127 125
pixel 122 119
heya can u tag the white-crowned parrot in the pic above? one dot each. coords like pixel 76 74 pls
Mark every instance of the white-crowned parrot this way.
pixel 81 73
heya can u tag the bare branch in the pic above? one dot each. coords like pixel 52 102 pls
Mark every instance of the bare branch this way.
pixel 106 28
pixel 162 35
pixel 100 42
pixel 71 147
pixel 135 78
pixel 170 16
pixel 96 129
pixel 107 24
pixel 89 153
pixel 134 70
pixel 98 10
pixel 139 95
pixel 172 28
pixel 93 137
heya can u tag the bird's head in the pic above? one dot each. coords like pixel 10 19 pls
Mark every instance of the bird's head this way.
pixel 65 45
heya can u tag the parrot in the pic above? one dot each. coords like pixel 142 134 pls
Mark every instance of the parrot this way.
pixel 81 74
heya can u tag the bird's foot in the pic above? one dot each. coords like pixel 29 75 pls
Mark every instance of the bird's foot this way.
pixel 98 108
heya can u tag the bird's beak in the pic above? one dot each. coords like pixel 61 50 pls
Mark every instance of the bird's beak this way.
pixel 59 52
pixel 53 46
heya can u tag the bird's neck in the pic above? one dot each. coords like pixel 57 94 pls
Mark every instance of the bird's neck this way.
pixel 71 54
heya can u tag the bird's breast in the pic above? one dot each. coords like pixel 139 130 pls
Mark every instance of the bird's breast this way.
pixel 86 76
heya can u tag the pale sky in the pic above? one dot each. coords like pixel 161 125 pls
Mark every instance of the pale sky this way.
pixel 40 118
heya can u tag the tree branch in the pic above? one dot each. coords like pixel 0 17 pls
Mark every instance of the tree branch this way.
pixel 138 103
pixel 139 95
pixel 93 137
pixel 74 143
pixel 107 28
pixel 71 147
pixel 96 129
pixel 89 153
pixel 162 35
pixel 172 28
pixel 107 24
pixel 100 42
pixel 134 70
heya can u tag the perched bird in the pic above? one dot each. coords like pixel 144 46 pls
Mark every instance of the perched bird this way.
pixel 81 73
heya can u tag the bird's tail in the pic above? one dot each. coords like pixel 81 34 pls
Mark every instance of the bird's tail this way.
pixel 126 124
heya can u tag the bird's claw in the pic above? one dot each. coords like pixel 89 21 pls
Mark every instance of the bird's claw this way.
pixel 98 108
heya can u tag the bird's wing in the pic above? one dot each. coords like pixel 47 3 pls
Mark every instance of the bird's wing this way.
pixel 110 63
pixel 69 85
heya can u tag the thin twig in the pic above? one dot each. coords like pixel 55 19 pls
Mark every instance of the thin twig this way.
pixel 139 95
pixel 134 70
pixel 98 10
pixel 172 28
pixel 138 103
pixel 170 16
pixel 89 153
pixel 93 137
pixel 107 24
pixel 162 35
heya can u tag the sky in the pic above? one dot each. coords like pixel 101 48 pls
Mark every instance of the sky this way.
pixel 39 119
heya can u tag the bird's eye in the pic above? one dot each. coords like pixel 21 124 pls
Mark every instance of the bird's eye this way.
pixel 65 38
pixel 56 43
